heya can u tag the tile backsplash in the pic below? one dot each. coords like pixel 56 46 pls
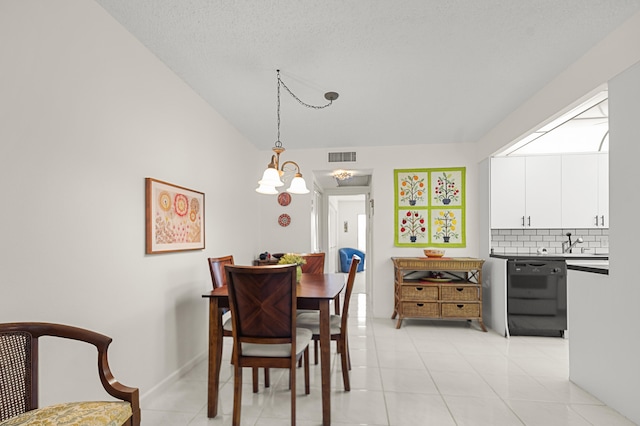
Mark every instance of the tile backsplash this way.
pixel 527 241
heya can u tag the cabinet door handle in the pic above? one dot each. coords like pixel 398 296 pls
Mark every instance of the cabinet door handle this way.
pixel 522 220
pixel 529 217
pixel 602 220
pixel 596 220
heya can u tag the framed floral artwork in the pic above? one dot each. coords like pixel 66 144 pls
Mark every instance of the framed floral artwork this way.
pixel 430 207
pixel 447 227
pixel 412 226
pixel 412 189
pixel 174 217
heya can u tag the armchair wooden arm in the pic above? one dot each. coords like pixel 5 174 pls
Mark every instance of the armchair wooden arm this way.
pixel 19 356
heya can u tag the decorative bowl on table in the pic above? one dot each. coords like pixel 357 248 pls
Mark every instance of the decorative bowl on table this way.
pixel 433 252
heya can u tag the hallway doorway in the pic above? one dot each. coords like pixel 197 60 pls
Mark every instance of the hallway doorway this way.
pixel 348 226
pixel 343 218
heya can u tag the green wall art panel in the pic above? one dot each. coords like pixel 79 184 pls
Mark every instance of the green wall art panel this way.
pixel 430 207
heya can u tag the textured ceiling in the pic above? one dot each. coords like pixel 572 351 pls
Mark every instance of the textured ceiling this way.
pixel 408 72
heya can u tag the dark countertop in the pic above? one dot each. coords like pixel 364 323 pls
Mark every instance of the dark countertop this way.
pixel 597 264
pixel 592 268
pixel 516 256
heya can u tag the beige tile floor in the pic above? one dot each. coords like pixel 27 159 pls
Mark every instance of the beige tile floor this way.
pixel 426 373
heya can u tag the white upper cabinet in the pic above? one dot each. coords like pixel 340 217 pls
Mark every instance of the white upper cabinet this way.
pixel 544 192
pixel 580 191
pixel 585 191
pixel 507 192
pixel 554 191
pixel 526 192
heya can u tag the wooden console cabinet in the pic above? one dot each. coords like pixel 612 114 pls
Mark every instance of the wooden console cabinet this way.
pixel 458 295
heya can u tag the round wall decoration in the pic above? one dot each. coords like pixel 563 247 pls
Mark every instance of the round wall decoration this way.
pixel 284 220
pixel 284 198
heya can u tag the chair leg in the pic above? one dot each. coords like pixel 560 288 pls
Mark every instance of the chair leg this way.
pixel 254 373
pixel 315 352
pixel 292 386
pixel 267 378
pixel 345 367
pixel 306 371
pixel 237 395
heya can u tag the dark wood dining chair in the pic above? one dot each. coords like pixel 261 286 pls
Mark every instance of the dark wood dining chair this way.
pixel 219 279
pixel 315 263
pixel 338 329
pixel 263 312
pixel 19 369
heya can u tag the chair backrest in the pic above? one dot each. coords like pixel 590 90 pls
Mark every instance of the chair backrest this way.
pixel 263 304
pixel 19 366
pixel 216 267
pixel 351 278
pixel 315 263
pixel 18 369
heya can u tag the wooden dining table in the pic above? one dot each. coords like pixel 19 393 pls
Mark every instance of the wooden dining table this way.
pixel 315 292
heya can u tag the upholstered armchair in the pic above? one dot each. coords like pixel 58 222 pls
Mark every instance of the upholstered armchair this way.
pixel 19 381
pixel 345 258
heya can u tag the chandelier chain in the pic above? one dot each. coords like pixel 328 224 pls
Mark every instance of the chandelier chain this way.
pixel 278 143
pixel 299 100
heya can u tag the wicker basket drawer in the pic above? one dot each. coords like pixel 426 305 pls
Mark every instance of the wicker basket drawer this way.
pixel 459 293
pixel 427 310
pixel 460 310
pixel 418 292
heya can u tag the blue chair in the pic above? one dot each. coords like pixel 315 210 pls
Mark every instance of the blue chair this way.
pixel 345 259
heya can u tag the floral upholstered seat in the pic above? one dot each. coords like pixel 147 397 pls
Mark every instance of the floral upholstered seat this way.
pixel 90 413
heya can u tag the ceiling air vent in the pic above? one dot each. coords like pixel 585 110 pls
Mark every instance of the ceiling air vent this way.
pixel 342 157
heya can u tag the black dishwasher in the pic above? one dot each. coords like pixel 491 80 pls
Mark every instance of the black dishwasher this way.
pixel 537 297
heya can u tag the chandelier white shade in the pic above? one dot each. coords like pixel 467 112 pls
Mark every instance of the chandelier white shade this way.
pixel 298 186
pixel 272 176
pixel 266 189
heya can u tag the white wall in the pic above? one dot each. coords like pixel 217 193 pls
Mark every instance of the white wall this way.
pixel 382 160
pixel 611 372
pixel 615 53
pixel 296 237
pixel 494 271
pixel 605 347
pixel 348 211
pixel 87 113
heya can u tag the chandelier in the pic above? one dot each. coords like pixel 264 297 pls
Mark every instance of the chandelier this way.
pixel 272 176
pixel 342 174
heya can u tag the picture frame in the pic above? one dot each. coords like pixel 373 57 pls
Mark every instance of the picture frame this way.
pixel 429 207
pixel 174 217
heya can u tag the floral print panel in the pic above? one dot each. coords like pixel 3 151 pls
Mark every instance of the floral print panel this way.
pixel 174 217
pixel 430 207
pixel 86 413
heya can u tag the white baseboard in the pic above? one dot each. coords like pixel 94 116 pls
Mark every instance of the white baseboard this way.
pixel 172 378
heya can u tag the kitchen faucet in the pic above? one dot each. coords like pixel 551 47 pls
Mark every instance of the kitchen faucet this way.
pixel 567 246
